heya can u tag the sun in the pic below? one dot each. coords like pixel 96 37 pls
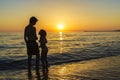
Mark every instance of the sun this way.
pixel 60 26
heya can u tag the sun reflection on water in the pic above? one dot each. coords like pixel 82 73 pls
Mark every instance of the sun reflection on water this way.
pixel 61 43
pixel 60 34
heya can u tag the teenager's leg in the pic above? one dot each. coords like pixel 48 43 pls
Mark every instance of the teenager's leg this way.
pixel 29 62
pixel 37 61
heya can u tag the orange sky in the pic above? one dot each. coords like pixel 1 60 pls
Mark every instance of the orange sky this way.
pixel 75 15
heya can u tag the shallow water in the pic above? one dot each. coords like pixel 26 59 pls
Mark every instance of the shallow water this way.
pixel 97 69
pixel 98 52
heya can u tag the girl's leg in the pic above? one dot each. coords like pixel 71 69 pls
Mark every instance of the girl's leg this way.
pixel 45 62
pixel 46 65
pixel 42 60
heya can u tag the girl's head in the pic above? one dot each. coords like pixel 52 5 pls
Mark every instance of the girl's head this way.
pixel 42 33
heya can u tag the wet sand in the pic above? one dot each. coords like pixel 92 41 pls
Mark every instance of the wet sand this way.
pixel 97 69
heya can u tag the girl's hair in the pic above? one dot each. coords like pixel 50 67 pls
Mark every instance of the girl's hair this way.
pixel 42 33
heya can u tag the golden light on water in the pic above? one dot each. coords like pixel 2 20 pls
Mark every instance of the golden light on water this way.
pixel 61 43
pixel 63 70
pixel 60 34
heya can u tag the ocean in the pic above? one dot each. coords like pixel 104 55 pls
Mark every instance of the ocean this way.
pixel 63 46
pixel 71 56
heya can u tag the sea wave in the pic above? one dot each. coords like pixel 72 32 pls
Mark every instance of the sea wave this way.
pixel 56 59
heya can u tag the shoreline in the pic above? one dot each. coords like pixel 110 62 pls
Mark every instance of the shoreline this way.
pixel 107 68
pixel 57 59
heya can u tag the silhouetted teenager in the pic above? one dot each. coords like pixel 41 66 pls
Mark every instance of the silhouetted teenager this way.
pixel 30 38
pixel 44 49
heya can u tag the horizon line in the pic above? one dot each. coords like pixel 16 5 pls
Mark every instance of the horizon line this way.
pixel 70 31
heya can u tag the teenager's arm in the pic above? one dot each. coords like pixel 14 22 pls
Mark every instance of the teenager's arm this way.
pixel 25 35
pixel 34 34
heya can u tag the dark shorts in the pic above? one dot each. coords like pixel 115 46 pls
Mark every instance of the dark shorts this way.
pixel 32 48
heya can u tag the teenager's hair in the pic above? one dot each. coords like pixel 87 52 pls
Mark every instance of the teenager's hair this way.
pixel 42 33
pixel 33 19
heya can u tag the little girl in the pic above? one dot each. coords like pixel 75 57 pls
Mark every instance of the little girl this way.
pixel 44 49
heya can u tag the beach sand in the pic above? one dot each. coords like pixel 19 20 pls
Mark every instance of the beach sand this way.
pixel 96 69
